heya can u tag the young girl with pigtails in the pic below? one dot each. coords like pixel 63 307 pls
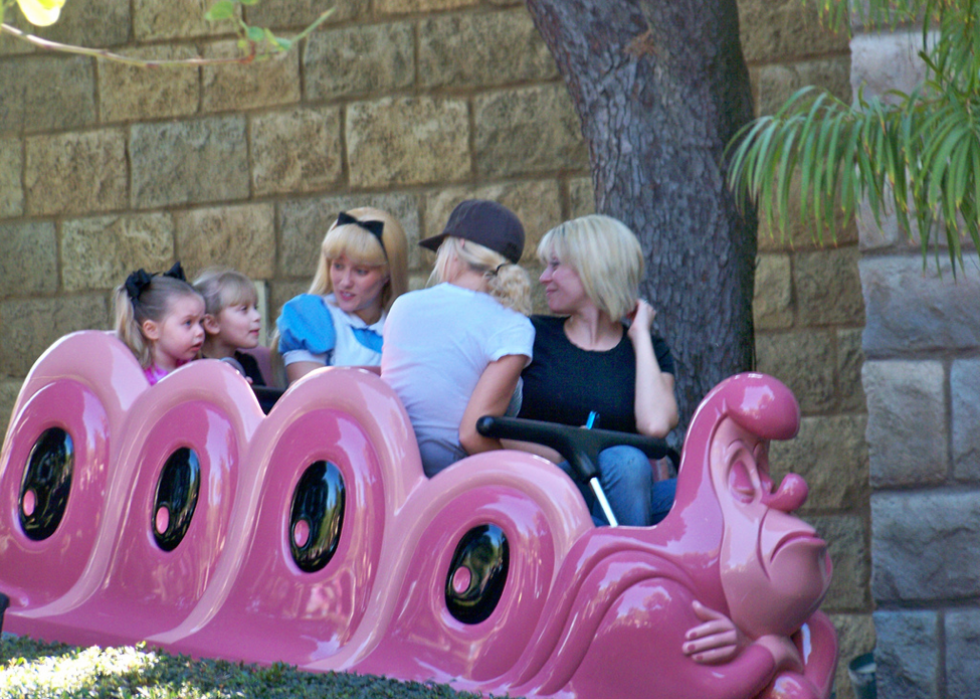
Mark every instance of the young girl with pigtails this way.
pixel 159 317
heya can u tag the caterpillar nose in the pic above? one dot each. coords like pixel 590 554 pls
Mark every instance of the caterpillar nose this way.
pixel 790 495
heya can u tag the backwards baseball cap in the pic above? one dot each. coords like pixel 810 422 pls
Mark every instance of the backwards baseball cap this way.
pixel 486 223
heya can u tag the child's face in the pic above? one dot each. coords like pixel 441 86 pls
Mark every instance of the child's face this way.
pixel 178 337
pixel 238 326
pixel 357 288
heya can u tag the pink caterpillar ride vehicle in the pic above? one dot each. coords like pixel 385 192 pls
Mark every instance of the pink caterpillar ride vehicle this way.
pixel 182 515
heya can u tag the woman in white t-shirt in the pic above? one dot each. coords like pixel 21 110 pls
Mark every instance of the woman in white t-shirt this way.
pixel 455 351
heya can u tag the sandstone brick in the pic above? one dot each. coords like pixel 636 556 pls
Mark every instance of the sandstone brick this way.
pixel 804 362
pixel 856 636
pixel 778 82
pixel 925 545
pixel 964 388
pixel 962 659
pixel 581 197
pixel 132 93
pixel 282 292
pixel 828 287
pixel 800 232
pixel 492 48
pixel 189 161
pixel 9 46
pixel 241 237
pixel 775 30
pixel 9 390
pixel 537 205
pixel 101 23
pixel 11 169
pixel 298 14
pixel 846 536
pixel 907 654
pixel 304 222
pixel 832 456
pixel 98 253
pixel 169 19
pixel 883 62
pixel 907 433
pixel 772 305
pixel 914 309
pixel 31 326
pixel 28 258
pixel 40 93
pixel 512 138
pixel 407 140
pixel 296 151
pixel 76 172
pixel 405 6
pixel 850 359
pixel 236 87
pixel 384 56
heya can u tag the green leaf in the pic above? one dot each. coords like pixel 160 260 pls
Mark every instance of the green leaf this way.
pixel 249 2
pixel 256 34
pixel 223 9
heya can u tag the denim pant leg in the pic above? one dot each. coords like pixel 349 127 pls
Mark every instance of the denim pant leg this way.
pixel 662 498
pixel 627 479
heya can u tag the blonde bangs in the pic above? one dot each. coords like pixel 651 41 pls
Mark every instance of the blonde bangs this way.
pixel 359 245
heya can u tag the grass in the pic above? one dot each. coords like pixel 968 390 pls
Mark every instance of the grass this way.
pixel 32 669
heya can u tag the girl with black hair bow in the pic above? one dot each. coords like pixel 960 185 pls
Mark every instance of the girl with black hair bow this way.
pixel 159 316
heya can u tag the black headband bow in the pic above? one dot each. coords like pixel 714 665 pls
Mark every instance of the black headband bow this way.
pixel 137 282
pixel 375 228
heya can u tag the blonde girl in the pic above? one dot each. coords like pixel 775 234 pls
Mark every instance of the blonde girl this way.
pixel 232 321
pixel 159 316
pixel 362 269
pixel 454 352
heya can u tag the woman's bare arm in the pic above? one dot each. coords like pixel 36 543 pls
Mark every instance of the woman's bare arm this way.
pixel 297 370
pixel 655 405
pixel 490 397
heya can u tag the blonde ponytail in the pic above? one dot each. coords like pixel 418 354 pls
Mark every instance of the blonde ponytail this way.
pixel 507 282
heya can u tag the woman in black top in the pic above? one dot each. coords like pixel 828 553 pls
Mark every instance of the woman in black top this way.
pixel 587 359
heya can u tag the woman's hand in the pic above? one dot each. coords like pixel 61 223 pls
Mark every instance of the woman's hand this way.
pixel 717 640
pixel 641 320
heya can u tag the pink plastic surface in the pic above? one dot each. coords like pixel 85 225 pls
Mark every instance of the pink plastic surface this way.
pixel 584 612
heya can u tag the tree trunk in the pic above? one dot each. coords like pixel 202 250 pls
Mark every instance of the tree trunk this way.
pixel 661 87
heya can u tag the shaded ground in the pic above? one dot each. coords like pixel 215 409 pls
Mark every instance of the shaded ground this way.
pixel 32 669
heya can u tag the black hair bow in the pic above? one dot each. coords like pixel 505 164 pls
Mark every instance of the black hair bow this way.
pixel 177 272
pixel 137 281
pixel 375 228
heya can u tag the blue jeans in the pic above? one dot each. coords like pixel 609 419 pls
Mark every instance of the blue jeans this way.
pixel 627 480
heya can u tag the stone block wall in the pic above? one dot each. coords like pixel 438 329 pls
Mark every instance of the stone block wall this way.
pixel 409 105
pixel 922 380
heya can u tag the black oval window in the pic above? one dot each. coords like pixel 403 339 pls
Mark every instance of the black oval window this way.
pixel 316 516
pixel 176 498
pixel 477 574
pixel 47 482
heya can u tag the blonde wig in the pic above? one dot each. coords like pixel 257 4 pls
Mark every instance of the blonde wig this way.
pixel 362 248
pixel 607 256
pixel 507 282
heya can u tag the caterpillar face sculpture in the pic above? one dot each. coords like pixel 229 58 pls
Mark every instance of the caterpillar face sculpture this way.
pixel 181 515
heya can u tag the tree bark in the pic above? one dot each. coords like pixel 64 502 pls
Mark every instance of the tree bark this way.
pixel 660 87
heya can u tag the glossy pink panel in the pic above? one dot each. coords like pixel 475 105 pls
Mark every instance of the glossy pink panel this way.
pixel 718 600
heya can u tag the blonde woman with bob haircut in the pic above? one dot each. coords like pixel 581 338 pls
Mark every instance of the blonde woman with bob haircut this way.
pixel 597 354
pixel 454 352
pixel 362 269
